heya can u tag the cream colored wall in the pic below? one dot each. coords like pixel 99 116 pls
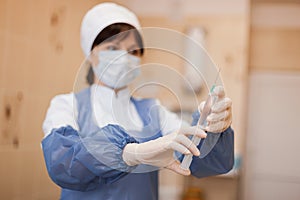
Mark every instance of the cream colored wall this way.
pixel 271 168
pixel 40 55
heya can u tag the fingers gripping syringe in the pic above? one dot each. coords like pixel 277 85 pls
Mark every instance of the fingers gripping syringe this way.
pixel 210 101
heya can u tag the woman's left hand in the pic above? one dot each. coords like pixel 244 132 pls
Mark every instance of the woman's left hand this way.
pixel 220 117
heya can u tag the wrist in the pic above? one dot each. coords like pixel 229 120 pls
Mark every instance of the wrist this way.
pixel 129 154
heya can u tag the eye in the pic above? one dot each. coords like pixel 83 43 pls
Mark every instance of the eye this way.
pixel 112 47
pixel 134 52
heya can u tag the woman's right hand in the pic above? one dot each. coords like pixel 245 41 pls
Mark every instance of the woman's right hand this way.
pixel 160 152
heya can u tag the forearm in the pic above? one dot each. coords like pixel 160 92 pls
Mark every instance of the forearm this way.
pixel 81 163
pixel 219 160
pixel 221 157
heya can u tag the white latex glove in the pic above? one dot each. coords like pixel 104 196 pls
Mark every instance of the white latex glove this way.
pixel 220 117
pixel 160 152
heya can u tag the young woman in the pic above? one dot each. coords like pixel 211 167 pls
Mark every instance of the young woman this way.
pixel 101 143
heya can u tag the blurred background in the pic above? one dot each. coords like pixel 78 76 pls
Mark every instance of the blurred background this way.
pixel 255 42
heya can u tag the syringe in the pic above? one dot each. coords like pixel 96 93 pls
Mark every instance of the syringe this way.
pixel 210 101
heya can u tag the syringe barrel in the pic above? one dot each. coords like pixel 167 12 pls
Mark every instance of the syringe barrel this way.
pixel 187 160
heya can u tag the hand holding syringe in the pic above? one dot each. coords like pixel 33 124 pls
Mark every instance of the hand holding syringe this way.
pixel 202 123
pixel 211 99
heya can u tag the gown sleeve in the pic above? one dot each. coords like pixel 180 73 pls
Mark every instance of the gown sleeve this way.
pixel 217 152
pixel 78 163
pixel 220 159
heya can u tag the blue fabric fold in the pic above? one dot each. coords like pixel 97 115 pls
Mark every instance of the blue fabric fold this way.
pixel 219 159
pixel 80 163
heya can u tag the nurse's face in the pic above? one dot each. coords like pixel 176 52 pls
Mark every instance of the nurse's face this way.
pixel 124 41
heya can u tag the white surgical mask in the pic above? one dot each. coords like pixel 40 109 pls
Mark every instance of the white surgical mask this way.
pixel 117 68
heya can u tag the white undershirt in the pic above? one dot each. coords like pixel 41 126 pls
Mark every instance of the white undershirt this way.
pixel 109 108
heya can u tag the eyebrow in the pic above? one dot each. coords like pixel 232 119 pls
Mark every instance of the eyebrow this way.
pixel 134 46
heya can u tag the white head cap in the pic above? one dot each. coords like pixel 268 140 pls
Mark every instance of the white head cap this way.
pixel 101 16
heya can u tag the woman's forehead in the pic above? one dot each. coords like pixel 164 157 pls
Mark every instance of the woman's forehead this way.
pixel 123 37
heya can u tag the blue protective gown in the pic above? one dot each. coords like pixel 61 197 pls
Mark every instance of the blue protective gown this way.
pixel 88 164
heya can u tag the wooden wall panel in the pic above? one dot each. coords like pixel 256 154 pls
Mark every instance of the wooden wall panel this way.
pixel 274 65
pixel 24 176
pixel 275 36
pixel 277 15
pixel 11 108
pixel 275 49
pixel 2 56
pixel 276 1
pixel 39 57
